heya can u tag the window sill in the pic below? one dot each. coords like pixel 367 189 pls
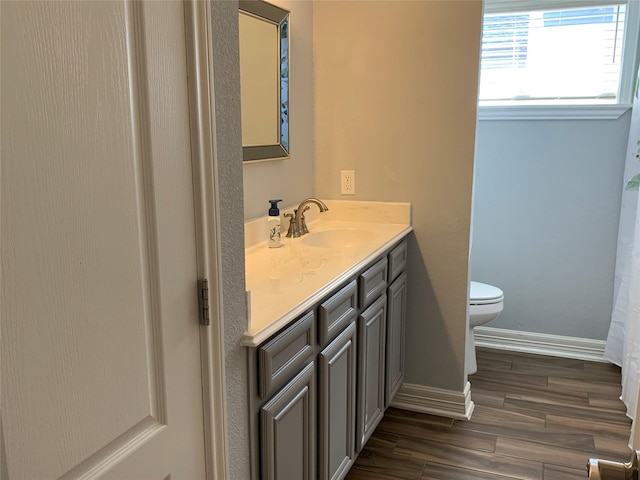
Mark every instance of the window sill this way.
pixel 552 112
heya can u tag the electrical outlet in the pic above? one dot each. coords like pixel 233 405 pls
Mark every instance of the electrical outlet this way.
pixel 348 182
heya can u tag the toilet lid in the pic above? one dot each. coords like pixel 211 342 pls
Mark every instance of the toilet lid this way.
pixel 483 294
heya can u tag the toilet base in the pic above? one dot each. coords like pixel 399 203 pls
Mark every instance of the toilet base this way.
pixel 478 315
pixel 470 364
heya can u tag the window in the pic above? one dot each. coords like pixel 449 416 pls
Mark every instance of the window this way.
pixel 557 52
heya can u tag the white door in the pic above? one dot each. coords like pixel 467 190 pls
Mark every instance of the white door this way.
pixel 101 373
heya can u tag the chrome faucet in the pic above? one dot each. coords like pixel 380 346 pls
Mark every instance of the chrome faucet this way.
pixel 297 222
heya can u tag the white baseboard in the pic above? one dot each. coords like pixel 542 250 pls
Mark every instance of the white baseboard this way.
pixel 540 343
pixel 436 401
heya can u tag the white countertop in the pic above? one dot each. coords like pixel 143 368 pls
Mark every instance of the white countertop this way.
pixel 284 283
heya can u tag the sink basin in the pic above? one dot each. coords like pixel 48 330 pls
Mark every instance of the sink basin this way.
pixel 339 238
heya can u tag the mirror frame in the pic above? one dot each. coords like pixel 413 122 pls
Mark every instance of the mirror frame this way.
pixel 279 17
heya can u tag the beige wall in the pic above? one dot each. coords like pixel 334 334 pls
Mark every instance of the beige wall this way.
pixel 291 179
pixel 395 100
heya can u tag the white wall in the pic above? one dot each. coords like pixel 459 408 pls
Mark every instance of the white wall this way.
pixel 546 209
pixel 398 108
pixel 291 179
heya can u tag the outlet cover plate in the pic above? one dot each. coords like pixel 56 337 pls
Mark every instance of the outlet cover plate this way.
pixel 347 182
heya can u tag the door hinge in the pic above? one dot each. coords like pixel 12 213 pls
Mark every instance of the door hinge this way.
pixel 203 301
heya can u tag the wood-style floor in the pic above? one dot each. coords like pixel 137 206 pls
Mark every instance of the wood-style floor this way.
pixel 535 417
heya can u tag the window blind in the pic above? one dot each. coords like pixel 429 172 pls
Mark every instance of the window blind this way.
pixel 510 6
pixel 566 51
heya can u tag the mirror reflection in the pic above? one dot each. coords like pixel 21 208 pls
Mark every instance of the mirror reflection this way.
pixel 264 80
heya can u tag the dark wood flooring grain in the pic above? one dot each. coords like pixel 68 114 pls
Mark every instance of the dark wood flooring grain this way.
pixel 535 418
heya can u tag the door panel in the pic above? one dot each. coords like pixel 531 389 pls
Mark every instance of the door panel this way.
pixel 371 369
pixel 100 357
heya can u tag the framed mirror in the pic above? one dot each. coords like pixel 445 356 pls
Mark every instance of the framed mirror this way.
pixel 264 80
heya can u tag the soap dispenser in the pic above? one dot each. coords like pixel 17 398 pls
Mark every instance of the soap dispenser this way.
pixel 273 224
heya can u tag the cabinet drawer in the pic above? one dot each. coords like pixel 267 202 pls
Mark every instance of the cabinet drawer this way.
pixel 283 356
pixel 397 260
pixel 372 283
pixel 337 312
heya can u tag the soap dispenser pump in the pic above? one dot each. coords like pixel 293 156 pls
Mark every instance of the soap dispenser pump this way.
pixel 273 224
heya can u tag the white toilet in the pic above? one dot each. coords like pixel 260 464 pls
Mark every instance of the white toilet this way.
pixel 485 304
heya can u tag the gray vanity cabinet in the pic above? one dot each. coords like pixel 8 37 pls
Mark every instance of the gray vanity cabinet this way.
pixel 319 387
pixel 371 369
pixel 337 405
pixel 287 430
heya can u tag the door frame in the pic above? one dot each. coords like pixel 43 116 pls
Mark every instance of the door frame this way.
pixel 207 219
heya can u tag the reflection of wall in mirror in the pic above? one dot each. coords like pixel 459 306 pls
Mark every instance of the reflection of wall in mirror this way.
pixel 259 81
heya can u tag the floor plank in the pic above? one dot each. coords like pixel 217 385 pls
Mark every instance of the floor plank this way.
pixel 487 397
pixel 535 432
pixel 554 454
pixel 558 384
pixel 437 471
pixel 475 440
pixel 606 401
pixel 378 460
pixel 557 472
pixel 562 423
pixel 536 418
pixel 481 461
pixel 612 448
pixel 542 403
pixel 505 417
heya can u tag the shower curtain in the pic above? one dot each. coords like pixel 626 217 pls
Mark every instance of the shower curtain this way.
pixel 623 341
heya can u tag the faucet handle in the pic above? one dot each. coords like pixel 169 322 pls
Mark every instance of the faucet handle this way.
pixel 292 231
pixel 303 222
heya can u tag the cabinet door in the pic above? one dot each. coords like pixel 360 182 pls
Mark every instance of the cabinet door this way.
pixel 337 370
pixel 396 314
pixel 288 430
pixel 371 366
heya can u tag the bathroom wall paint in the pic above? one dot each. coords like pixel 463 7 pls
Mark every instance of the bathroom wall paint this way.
pixel 546 210
pixel 226 72
pixel 396 107
pixel 290 179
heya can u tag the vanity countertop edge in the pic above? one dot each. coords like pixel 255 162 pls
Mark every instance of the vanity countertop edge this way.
pixel 289 301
